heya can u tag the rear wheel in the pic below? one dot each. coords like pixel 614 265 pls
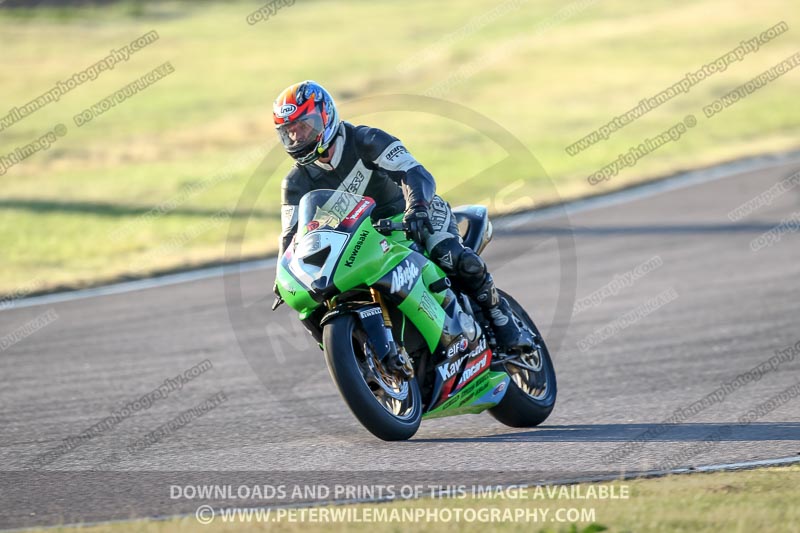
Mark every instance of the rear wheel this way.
pixel 532 390
pixel 385 403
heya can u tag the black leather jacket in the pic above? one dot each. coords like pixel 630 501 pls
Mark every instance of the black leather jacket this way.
pixel 366 161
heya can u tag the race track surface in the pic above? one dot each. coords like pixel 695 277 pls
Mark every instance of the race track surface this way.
pixel 706 313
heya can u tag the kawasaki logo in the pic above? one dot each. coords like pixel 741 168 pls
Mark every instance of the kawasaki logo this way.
pixel 404 276
pixel 361 238
pixel 448 370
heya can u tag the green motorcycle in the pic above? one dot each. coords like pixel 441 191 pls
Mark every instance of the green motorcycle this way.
pixel 402 343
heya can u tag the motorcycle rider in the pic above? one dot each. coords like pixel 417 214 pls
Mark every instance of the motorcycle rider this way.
pixel 333 154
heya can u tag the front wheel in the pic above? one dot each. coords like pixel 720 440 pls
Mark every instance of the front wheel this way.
pixel 532 390
pixel 389 406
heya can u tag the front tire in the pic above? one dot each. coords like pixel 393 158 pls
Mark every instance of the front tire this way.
pixel 531 395
pixel 389 407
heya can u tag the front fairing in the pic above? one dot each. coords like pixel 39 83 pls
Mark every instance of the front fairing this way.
pixel 338 250
pixel 328 224
pixel 313 261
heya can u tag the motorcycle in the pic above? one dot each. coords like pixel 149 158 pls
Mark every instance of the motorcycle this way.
pixel 401 342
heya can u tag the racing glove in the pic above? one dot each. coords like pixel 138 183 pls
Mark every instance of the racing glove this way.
pixel 418 220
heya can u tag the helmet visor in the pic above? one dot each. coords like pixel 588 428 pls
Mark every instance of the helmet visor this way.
pixel 300 134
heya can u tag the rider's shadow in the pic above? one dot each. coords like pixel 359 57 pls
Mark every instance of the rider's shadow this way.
pixel 693 432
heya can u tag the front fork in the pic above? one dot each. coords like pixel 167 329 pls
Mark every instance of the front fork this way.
pixel 398 356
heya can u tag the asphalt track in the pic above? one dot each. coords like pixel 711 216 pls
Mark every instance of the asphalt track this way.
pixel 724 310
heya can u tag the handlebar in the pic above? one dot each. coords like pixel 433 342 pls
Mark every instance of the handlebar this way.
pixel 386 226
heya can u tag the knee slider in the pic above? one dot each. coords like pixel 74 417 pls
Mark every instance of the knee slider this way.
pixel 471 266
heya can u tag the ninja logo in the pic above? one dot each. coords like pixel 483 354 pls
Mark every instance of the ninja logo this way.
pixel 404 276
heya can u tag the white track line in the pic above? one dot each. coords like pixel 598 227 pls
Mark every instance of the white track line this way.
pixel 637 192
pixel 679 181
pixel 141 284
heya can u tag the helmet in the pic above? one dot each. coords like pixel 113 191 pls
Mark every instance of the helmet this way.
pixel 306 120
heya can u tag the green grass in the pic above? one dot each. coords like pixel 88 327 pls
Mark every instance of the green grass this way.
pixel 60 209
pixel 735 502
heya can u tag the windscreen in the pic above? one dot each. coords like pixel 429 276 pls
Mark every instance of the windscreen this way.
pixel 324 208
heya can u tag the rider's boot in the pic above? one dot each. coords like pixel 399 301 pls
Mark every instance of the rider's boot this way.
pixel 508 334
pixel 470 270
